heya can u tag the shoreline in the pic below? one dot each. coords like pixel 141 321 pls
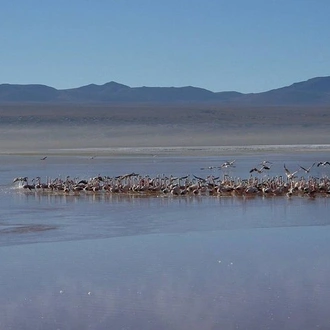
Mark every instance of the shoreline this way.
pixel 201 151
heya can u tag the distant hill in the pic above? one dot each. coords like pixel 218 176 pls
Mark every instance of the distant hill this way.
pixel 28 93
pixel 315 91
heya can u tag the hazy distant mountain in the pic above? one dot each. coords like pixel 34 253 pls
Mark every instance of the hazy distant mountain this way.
pixel 28 93
pixel 314 91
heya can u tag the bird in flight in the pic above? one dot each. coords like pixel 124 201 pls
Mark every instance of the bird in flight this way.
pixel 266 163
pixel 259 170
pixel 288 174
pixel 20 178
pixel 307 170
pixel 323 164
pixel 228 164
pixel 43 158
pixel 266 167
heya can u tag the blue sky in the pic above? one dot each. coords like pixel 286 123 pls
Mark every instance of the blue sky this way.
pixel 241 45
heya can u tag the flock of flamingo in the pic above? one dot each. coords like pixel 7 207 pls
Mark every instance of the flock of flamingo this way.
pixel 288 185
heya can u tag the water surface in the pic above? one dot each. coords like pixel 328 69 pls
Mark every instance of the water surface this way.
pixel 128 262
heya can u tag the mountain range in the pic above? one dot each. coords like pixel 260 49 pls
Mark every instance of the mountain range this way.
pixel 315 91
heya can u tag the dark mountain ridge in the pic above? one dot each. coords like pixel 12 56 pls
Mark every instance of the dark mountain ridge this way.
pixel 315 91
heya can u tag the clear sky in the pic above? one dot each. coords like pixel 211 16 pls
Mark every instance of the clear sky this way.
pixel 220 45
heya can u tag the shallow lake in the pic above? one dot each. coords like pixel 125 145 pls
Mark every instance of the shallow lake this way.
pixel 177 262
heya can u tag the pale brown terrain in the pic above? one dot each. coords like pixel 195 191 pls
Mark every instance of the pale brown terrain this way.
pixel 51 128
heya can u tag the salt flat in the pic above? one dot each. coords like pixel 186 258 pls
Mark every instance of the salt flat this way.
pixel 120 128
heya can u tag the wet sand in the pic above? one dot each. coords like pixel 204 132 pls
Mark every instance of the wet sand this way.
pixel 154 130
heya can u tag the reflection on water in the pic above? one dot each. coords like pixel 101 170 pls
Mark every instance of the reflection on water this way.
pixel 249 279
pixel 109 215
pixel 130 262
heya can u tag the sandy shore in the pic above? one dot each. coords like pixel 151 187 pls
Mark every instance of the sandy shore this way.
pixel 157 130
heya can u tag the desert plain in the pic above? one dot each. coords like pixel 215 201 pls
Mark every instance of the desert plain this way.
pixel 156 129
